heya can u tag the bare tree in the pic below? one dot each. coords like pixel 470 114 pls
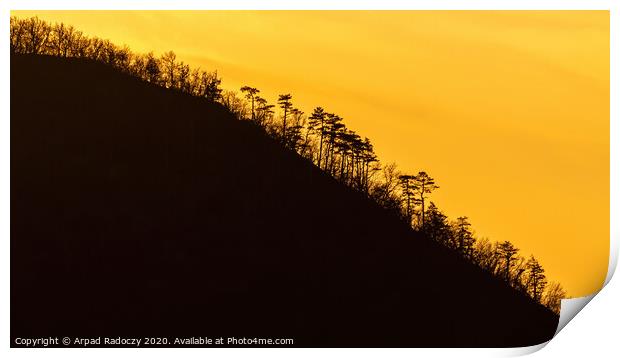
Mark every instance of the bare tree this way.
pixel 36 35
pixel 235 104
pixel 183 77
pixel 486 255
pixel 151 67
pixel 169 69
pixel 17 35
pixel 96 49
pixel 138 67
pixel 80 44
pixel 552 297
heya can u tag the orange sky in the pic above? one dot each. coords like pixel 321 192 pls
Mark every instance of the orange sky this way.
pixel 508 111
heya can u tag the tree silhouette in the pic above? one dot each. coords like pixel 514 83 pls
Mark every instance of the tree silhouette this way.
pixel 507 252
pixel 294 136
pixel 234 104
pixel 316 123
pixel 384 191
pixel 436 226
pixel 463 236
pixel 250 94
pixel 284 101
pixel 333 125
pixel 536 280
pixel 408 189
pixel 212 91
pixel 60 40
pixel 16 34
pixel 553 296
pixel 423 184
pixel 264 111
pixel 151 67
pixel 184 72
pixel 194 83
pixel 37 34
pixel 516 274
pixel 96 49
pixel 169 69
pixel 369 162
pixel 305 148
pixel 486 255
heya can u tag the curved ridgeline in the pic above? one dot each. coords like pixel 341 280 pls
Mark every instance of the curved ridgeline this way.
pixel 132 179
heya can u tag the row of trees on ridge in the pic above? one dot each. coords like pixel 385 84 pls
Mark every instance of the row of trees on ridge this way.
pixel 321 137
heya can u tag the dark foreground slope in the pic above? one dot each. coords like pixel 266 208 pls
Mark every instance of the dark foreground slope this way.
pixel 140 212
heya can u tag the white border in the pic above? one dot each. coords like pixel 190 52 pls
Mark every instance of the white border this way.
pixel 312 5
pixel 593 331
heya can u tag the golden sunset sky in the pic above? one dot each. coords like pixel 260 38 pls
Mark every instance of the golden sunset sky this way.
pixel 508 111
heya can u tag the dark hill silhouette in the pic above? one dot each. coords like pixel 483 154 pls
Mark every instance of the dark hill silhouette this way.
pixel 139 211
